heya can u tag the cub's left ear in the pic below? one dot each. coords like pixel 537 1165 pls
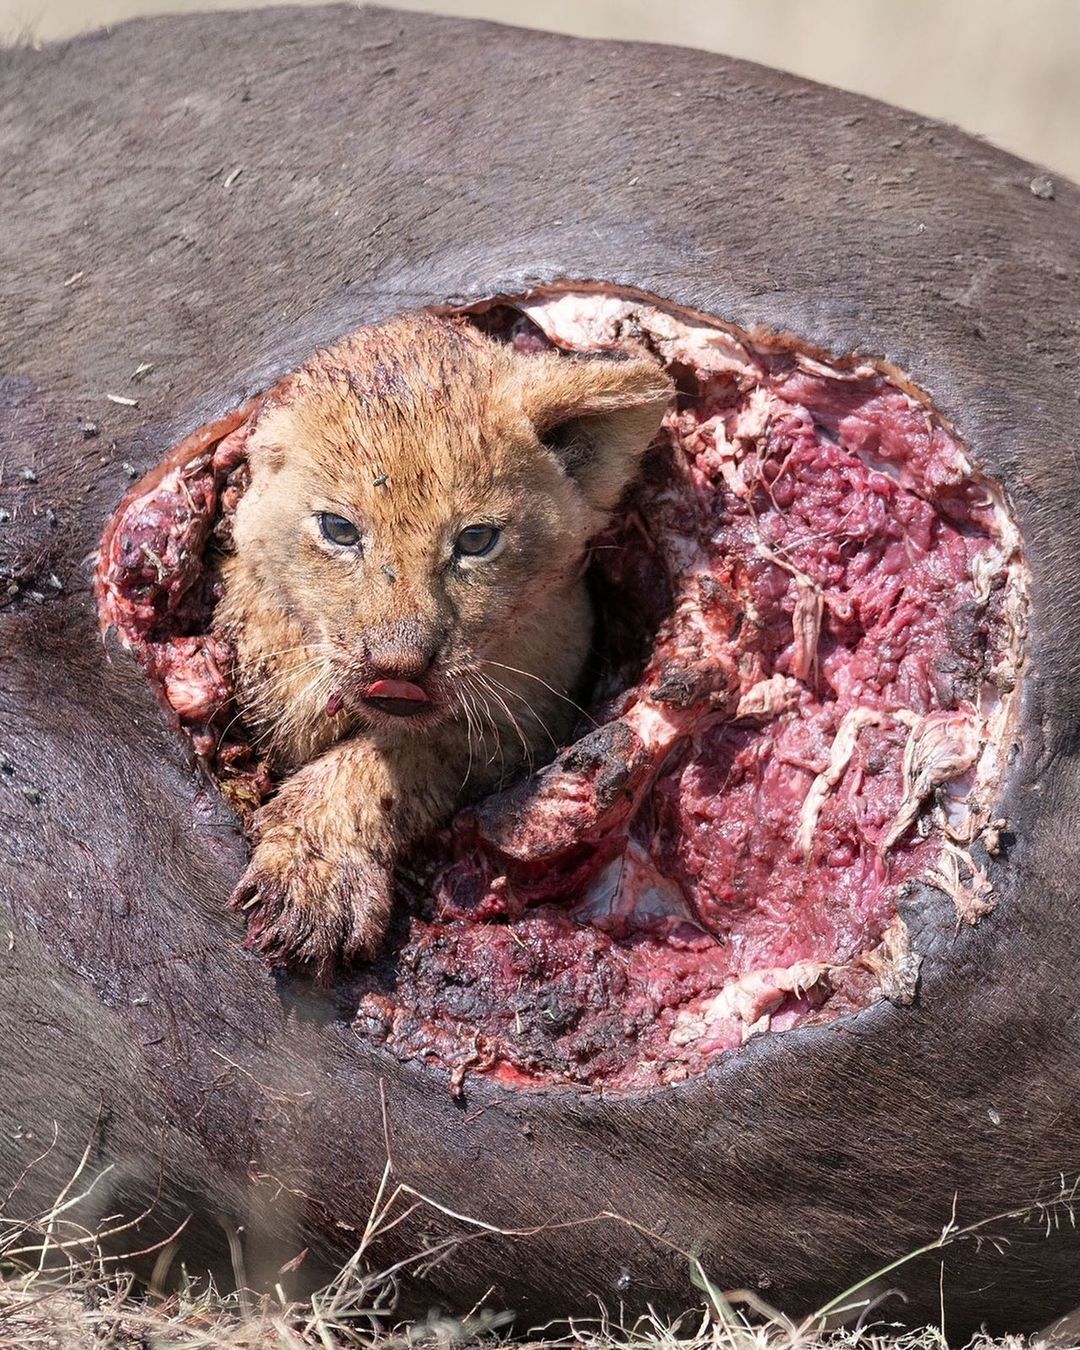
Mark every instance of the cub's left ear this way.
pixel 595 416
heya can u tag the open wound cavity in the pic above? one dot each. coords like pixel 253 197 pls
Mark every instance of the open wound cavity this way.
pixel 813 613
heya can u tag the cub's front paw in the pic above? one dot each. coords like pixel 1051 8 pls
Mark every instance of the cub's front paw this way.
pixel 310 900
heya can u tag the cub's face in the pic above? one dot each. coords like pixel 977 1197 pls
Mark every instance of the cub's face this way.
pixel 421 500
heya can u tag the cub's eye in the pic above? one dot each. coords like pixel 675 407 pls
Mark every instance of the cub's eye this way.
pixel 338 530
pixel 477 541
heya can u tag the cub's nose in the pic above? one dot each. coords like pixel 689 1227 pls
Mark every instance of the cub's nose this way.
pixel 405 650
pixel 388 662
pixel 395 660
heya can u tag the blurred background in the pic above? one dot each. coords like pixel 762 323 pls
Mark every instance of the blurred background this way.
pixel 1008 70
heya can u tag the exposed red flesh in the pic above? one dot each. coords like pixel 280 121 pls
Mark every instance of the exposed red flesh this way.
pixel 156 585
pixel 836 604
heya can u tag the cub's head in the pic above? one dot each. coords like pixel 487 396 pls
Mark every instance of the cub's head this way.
pixel 420 505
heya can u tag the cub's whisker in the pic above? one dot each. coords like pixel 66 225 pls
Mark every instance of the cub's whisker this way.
pixel 550 688
pixel 528 707
pixel 525 746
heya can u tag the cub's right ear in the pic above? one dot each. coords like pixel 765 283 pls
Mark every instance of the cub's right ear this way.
pixel 596 416
pixel 275 425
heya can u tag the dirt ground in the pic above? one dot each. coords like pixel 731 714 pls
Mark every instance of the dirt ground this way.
pixel 1005 71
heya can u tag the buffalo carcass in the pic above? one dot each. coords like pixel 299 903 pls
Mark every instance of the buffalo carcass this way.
pixel 191 206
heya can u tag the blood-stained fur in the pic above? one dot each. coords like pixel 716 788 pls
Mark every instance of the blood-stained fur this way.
pixel 407 600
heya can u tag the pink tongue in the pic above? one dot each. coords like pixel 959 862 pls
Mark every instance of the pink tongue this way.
pixel 396 689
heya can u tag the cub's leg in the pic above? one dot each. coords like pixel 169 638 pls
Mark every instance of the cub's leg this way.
pixel 319 887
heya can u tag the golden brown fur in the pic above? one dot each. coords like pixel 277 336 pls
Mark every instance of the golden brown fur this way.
pixel 412 431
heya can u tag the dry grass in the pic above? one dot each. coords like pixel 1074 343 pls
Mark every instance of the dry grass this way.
pixel 60 1290
pixel 88 1311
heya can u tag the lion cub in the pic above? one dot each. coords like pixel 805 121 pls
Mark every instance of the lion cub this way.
pixel 407 598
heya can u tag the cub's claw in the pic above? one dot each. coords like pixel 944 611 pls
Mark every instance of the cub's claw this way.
pixel 309 906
